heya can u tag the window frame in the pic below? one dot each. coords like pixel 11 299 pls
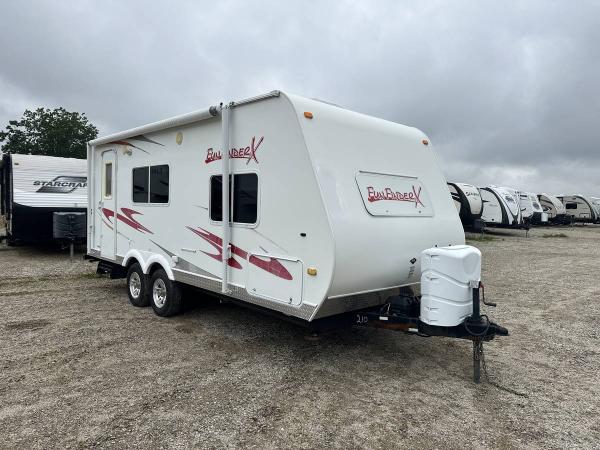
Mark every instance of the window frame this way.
pixel 148 203
pixel 258 200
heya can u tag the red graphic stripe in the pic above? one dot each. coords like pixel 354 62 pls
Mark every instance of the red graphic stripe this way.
pixel 126 218
pixel 270 265
pixel 217 243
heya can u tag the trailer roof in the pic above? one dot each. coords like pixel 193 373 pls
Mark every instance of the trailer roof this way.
pixel 176 121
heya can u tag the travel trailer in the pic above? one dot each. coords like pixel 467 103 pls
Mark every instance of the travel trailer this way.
pixel 34 188
pixel 515 206
pixel 531 210
pixel 500 207
pixel 331 217
pixel 467 200
pixel 493 213
pixel 554 208
pixel 596 204
pixel 579 208
pixel 525 206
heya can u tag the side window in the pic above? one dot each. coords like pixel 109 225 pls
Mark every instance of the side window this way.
pixel 140 176
pixel 571 205
pixel 108 167
pixel 150 184
pixel 159 184
pixel 245 198
pixel 216 198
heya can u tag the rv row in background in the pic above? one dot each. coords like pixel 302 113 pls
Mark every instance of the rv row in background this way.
pixel 496 206
pixel 44 198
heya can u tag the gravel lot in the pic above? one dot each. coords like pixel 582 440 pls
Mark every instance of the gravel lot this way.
pixel 83 368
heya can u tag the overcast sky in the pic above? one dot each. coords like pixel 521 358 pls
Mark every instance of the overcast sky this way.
pixel 509 92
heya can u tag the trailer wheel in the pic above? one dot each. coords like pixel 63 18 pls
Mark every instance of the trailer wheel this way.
pixel 165 294
pixel 137 286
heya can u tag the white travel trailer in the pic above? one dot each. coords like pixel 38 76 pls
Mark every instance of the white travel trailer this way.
pixel 596 204
pixel 515 207
pixel 35 187
pixel 554 208
pixel 531 210
pixel 501 207
pixel 493 213
pixel 579 208
pixel 469 205
pixel 330 213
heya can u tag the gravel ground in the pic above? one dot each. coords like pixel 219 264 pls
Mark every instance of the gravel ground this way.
pixel 83 368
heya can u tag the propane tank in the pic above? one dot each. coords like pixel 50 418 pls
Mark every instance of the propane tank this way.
pixel 447 278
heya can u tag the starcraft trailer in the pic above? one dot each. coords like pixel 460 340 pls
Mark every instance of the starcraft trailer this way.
pixel 331 216
pixel 467 200
pixel 34 188
pixel 554 208
pixel 579 208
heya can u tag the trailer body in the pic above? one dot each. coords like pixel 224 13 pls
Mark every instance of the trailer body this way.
pixel 468 202
pixel 554 209
pixel 33 188
pixel 330 209
pixel 580 208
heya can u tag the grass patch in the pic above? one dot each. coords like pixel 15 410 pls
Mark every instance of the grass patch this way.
pixel 555 235
pixel 481 238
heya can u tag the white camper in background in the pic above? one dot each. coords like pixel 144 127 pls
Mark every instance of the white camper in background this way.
pixel 526 207
pixel 501 207
pixel 579 208
pixel 34 188
pixel 467 199
pixel 596 204
pixel 539 216
pixel 531 210
pixel 554 208
pixel 493 213
pixel 515 207
pixel 330 213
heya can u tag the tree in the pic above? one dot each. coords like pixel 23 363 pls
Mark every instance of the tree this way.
pixel 44 131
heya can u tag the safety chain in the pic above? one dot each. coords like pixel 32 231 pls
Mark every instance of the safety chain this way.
pixel 480 355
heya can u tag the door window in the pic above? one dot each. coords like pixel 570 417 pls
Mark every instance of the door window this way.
pixel 108 168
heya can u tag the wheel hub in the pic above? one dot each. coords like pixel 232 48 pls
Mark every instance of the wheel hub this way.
pixel 159 293
pixel 135 285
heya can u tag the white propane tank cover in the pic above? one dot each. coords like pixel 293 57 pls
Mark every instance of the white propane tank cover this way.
pixel 446 273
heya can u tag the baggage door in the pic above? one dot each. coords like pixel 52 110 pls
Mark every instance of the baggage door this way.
pixel 107 205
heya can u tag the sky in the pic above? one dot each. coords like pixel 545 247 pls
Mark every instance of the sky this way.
pixel 508 92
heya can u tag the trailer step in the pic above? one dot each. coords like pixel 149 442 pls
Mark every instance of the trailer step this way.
pixel 114 271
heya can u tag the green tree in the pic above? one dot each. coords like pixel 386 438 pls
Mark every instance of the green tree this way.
pixel 51 132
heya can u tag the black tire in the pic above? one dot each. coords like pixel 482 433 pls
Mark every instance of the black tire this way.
pixel 165 295
pixel 137 281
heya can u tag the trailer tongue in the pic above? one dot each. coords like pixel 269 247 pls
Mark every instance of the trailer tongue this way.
pixel 450 305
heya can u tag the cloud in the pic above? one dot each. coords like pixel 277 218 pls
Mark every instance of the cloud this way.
pixel 507 91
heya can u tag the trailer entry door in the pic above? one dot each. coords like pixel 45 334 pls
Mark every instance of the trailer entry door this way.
pixel 108 201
